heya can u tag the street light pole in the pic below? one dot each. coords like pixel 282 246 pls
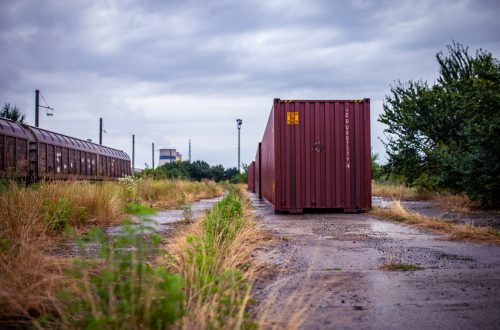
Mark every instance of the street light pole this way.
pixel 133 153
pixel 239 122
pixel 153 151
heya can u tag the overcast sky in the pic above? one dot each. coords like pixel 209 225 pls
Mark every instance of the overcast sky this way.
pixel 168 71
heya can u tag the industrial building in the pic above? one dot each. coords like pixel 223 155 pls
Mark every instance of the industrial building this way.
pixel 168 156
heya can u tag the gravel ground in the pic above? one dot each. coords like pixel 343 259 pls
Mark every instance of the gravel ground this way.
pixel 323 271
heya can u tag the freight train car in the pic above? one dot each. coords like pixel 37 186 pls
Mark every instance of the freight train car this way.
pixel 31 153
pixel 316 154
pixel 14 144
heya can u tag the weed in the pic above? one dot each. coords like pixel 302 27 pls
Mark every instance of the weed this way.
pixel 118 289
pixel 187 213
pixel 129 188
pixel 139 209
pixel 57 213
pixel 214 257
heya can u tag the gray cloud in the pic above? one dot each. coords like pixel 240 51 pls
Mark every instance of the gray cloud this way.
pixel 168 71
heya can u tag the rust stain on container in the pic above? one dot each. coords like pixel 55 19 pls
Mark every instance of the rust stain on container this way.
pixel 316 154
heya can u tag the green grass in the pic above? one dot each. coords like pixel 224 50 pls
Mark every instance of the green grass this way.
pixel 139 209
pixel 219 230
pixel 118 288
pixel 215 260
pixel 394 266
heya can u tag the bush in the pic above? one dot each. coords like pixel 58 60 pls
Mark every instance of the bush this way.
pixel 445 136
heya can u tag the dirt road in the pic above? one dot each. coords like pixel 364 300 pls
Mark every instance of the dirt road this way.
pixel 324 272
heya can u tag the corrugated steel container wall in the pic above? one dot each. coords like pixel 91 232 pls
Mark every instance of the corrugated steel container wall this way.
pixel 258 171
pixel 316 154
pixel 251 177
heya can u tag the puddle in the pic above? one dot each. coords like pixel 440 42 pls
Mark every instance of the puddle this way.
pixel 431 209
pixel 160 222
pixel 385 203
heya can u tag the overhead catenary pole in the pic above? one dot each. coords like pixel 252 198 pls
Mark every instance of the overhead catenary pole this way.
pixel 133 153
pixel 238 124
pixel 100 130
pixel 37 108
pixel 153 151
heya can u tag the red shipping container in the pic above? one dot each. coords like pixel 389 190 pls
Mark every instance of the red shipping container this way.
pixel 316 154
pixel 251 177
pixel 258 178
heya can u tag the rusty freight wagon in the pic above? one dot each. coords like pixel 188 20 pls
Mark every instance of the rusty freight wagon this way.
pixel 316 154
pixel 251 177
pixel 30 153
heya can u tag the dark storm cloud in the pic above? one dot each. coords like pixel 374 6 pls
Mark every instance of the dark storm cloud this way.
pixel 171 70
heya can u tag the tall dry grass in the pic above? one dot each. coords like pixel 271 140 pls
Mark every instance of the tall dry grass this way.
pixel 398 191
pixel 175 193
pixel 450 202
pixel 33 219
pixel 215 257
pixel 454 231
pixel 29 276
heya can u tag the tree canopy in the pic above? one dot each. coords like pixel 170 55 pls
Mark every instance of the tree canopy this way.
pixel 12 113
pixel 197 170
pixel 447 136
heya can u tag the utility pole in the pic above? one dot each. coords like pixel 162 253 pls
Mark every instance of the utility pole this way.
pixel 239 122
pixel 49 110
pixel 100 130
pixel 189 150
pixel 153 151
pixel 37 108
pixel 133 153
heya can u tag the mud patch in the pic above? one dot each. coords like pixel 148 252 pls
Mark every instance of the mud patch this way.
pixel 338 230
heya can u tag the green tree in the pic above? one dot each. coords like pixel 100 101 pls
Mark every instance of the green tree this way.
pixel 376 167
pixel 12 113
pixel 447 135
pixel 230 174
pixel 217 173
pixel 198 170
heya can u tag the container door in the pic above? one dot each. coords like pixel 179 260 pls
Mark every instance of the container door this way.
pixel 311 168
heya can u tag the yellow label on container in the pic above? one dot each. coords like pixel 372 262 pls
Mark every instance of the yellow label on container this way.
pixel 292 117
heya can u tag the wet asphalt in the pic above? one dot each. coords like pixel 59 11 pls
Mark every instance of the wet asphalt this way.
pixel 324 271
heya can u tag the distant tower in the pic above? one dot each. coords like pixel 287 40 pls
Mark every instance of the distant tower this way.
pixel 190 150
